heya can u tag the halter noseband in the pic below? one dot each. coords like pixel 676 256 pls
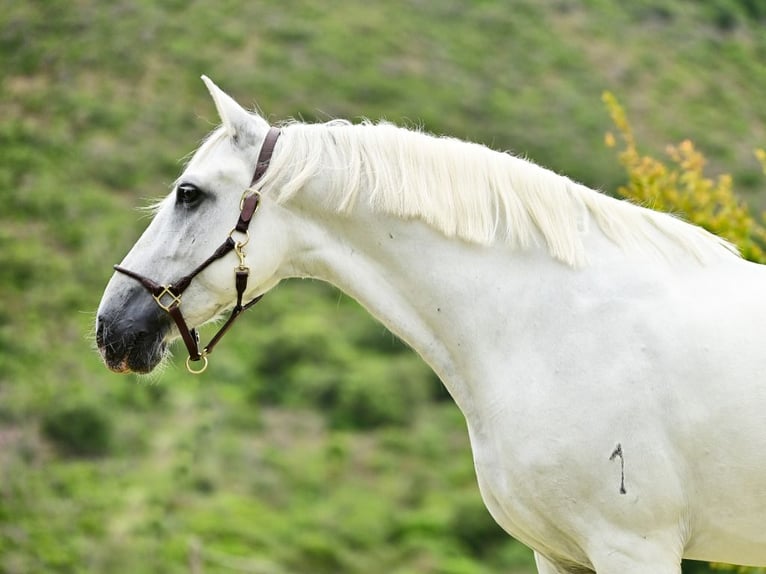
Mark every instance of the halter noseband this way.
pixel 168 297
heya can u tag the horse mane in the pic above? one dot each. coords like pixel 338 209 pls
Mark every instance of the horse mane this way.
pixel 468 191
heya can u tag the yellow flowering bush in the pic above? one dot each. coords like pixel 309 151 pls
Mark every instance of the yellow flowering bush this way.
pixel 681 187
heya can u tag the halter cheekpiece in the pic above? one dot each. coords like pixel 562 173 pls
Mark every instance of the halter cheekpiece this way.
pixel 168 297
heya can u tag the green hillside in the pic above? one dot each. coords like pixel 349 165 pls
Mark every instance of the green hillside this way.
pixel 316 442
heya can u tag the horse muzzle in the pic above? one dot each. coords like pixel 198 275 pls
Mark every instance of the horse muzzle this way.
pixel 132 340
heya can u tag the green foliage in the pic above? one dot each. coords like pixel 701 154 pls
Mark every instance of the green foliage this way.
pixel 80 430
pixel 316 441
pixel 380 387
pixel 475 528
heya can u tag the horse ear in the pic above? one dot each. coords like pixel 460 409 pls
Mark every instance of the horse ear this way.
pixel 237 121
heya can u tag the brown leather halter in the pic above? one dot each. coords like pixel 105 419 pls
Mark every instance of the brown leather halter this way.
pixel 168 297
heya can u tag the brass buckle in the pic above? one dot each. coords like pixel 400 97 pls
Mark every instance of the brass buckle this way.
pixel 247 193
pixel 175 299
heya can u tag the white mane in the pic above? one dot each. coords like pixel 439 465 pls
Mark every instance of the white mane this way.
pixel 468 191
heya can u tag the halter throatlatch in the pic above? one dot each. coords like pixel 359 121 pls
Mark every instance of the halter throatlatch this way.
pixel 168 297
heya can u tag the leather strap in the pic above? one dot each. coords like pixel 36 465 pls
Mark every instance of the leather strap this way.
pixel 177 288
pixel 264 157
pixel 189 336
pixel 154 288
pixel 182 284
pixel 249 205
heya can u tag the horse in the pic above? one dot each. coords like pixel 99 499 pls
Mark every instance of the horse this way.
pixel 607 358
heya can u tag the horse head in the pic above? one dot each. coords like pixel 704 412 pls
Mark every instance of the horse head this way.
pixel 184 260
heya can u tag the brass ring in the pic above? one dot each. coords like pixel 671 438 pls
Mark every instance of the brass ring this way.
pixel 192 371
pixel 240 244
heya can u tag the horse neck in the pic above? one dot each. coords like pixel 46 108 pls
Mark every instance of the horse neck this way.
pixel 441 296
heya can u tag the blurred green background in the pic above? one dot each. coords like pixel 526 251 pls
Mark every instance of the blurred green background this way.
pixel 316 442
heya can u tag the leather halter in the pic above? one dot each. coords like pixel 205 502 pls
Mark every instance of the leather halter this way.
pixel 168 297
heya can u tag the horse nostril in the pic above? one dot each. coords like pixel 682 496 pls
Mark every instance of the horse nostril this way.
pixel 100 330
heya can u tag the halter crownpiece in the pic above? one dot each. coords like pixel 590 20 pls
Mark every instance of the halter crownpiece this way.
pixel 168 297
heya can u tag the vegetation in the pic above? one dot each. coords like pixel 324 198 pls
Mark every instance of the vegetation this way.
pixel 316 442
pixel 684 189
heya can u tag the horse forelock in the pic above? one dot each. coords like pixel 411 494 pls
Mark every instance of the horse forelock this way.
pixel 469 191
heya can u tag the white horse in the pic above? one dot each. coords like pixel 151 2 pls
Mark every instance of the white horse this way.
pixel 608 359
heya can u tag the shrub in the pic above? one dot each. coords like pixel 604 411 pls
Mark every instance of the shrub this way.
pixel 80 430
pixel 683 188
pixel 475 528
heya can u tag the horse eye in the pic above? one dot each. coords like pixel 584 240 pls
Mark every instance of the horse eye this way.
pixel 188 194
